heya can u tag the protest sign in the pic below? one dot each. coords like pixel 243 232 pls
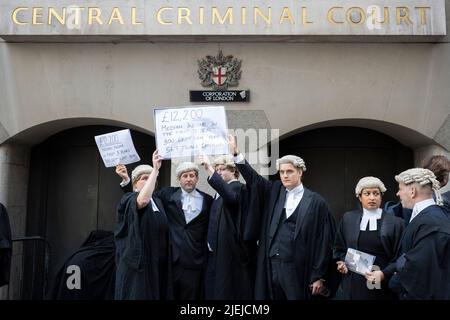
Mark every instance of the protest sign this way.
pixel 191 131
pixel 117 148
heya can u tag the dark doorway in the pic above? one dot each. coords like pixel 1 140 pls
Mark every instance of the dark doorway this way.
pixel 71 193
pixel 337 157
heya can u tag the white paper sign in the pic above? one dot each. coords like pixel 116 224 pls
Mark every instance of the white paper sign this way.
pixel 359 261
pixel 191 131
pixel 117 148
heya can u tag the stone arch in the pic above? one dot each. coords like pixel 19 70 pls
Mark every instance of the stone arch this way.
pixel 70 192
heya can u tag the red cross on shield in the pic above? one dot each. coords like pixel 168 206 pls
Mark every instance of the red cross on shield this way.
pixel 219 75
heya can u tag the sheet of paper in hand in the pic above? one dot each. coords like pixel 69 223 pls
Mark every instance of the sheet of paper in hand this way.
pixel 117 148
pixel 358 261
pixel 191 131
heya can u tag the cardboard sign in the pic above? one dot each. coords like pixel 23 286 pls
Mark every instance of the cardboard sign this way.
pixel 117 148
pixel 191 131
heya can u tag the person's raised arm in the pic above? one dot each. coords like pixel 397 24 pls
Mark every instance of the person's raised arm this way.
pixel 224 189
pixel 248 173
pixel 125 184
pixel 145 195
pixel 121 171
pixel 204 161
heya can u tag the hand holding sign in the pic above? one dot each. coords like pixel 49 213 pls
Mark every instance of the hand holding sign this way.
pixel 122 172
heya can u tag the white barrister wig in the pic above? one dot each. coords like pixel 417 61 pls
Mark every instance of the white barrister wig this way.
pixel 369 182
pixel 294 160
pixel 186 167
pixel 225 160
pixel 423 177
pixel 139 171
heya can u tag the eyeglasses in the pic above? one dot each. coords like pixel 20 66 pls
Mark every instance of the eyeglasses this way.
pixel 368 193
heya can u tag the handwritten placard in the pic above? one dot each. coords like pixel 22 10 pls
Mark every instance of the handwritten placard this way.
pixel 191 131
pixel 117 148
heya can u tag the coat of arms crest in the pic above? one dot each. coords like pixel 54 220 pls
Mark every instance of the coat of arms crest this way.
pixel 219 72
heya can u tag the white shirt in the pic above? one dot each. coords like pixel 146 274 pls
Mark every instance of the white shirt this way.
pixel 192 204
pixel 239 158
pixel 154 206
pixel 420 206
pixel 370 217
pixel 293 198
pixel 124 183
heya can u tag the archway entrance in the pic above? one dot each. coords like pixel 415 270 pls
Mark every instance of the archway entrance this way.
pixel 71 193
pixel 337 157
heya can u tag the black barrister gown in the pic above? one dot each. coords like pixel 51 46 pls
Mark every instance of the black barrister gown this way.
pixel 143 252
pixel 423 266
pixel 384 246
pixel 5 246
pixel 189 248
pixel 233 258
pixel 313 238
pixel 96 260
pixel 188 239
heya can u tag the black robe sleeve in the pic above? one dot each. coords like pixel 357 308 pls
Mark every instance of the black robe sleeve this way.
pixel 235 256
pixel 391 236
pixel 229 195
pixel 423 271
pixel 127 234
pixel 5 246
pixel 143 252
pixel 235 197
pixel 257 191
pixel 340 243
pixel 235 202
pixel 251 177
pixel 322 246
pixel 127 188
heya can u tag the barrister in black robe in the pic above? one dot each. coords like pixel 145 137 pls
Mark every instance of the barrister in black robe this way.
pixel 142 236
pixel 423 263
pixel 5 246
pixel 383 245
pixel 423 267
pixel 373 231
pixel 188 243
pixel 188 238
pixel 231 260
pixel 295 252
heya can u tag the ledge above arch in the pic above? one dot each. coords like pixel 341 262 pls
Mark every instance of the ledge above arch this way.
pixel 36 134
pixel 404 135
